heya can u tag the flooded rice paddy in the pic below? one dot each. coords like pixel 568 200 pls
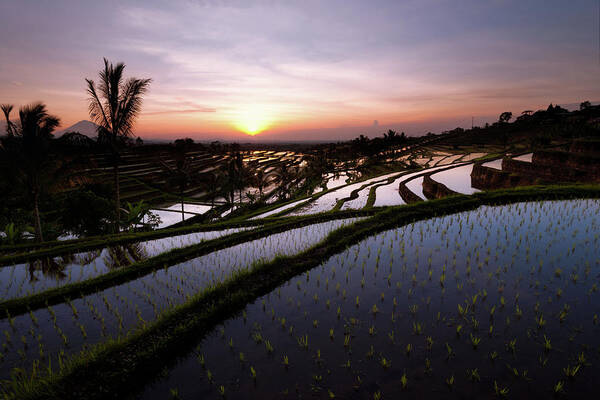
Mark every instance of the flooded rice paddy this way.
pixel 457 179
pixel 495 302
pixel 39 275
pixel 47 335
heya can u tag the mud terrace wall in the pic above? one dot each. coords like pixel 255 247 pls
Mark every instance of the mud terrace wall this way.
pixel 585 146
pixel 435 190
pixel 407 195
pixel 587 164
pixel 556 167
pixel 486 178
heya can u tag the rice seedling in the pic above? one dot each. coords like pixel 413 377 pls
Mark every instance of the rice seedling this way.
pixel 559 387
pixel 540 321
pixel 174 393
pixel 450 382
pixel 473 375
pixel 500 391
pixel 571 372
pixel 269 347
pixel 385 363
pixel 429 342
pixel 547 344
pixel 404 381
pixel 449 352
pixel 475 341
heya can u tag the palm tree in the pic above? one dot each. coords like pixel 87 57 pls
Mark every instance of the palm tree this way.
pixel 283 178
pixel 240 174
pixel 27 149
pixel 181 174
pixel 213 182
pixel 236 175
pixel 114 105
pixel 6 109
pixel 261 179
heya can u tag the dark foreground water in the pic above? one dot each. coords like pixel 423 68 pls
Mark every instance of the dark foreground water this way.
pixel 500 301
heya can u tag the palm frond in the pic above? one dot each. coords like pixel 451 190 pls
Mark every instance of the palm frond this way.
pixel 114 104
pixel 130 103
pixel 7 109
pixel 95 106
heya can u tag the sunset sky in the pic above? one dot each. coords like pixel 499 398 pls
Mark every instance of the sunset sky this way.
pixel 305 69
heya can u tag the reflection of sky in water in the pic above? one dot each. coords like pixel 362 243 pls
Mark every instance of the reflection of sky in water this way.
pixel 457 179
pixel 525 157
pixel 416 186
pixel 335 182
pixel 509 252
pixel 279 209
pixel 168 218
pixel 388 195
pixel 329 200
pixel 190 208
pixel 149 295
pixel 496 164
pixel 21 279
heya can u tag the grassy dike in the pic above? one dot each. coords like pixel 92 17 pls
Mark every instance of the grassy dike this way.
pixel 372 191
pixel 21 254
pixel 139 269
pixel 119 369
pixel 29 251
pixel 311 199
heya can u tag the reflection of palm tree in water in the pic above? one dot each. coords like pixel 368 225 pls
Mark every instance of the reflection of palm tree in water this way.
pixel 116 257
pixel 88 258
pixel 123 256
pixel 50 267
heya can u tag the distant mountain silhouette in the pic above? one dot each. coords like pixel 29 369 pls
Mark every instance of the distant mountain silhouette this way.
pixel 87 128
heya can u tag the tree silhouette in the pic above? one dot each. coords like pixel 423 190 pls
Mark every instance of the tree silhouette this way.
pixel 317 166
pixel 27 150
pixel 391 136
pixel 114 105
pixel 236 175
pixel 505 117
pixel 283 178
pixel 229 182
pixel 183 172
pixel 7 109
pixel 261 179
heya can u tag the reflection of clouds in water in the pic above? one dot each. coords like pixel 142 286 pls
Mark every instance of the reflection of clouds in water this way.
pixel 457 179
pixel 20 279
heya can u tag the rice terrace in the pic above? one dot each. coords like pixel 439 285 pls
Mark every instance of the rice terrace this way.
pixel 273 200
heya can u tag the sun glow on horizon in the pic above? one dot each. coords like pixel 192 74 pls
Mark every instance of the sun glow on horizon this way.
pixel 253 121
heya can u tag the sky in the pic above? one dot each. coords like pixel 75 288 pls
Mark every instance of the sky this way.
pixel 304 70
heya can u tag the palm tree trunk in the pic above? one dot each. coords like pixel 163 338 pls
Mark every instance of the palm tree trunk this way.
pixel 182 211
pixel 117 198
pixel 36 214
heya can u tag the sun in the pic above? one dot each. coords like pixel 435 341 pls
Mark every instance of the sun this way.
pixel 253 121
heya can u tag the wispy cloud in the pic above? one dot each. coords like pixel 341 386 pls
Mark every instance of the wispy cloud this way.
pixel 306 65
pixel 188 111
